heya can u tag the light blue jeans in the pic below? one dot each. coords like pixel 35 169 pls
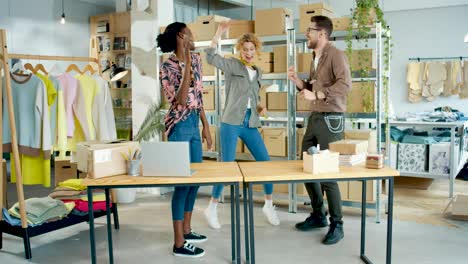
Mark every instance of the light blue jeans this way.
pixel 184 197
pixel 251 138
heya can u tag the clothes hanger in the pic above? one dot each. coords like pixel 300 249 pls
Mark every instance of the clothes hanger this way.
pixel 30 67
pixel 89 68
pixel 18 69
pixel 40 67
pixel 73 67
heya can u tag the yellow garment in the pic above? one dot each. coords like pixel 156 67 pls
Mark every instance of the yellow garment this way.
pixel 78 136
pixel 61 144
pixel 35 170
pixel 70 206
pixel 74 184
pixel 96 197
pixel 89 89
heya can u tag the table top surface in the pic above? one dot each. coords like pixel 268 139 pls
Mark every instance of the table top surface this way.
pixel 206 172
pixel 272 171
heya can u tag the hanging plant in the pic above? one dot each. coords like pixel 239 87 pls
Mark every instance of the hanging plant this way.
pixel 364 16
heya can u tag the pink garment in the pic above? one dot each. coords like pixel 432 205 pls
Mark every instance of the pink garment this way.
pixel 70 88
pixel 82 206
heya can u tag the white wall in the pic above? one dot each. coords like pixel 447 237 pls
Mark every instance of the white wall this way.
pixel 33 26
pixel 436 32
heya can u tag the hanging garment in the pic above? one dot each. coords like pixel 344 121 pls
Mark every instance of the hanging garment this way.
pixel 85 100
pixel 70 88
pixel 464 87
pixel 449 85
pixel 31 116
pixel 61 127
pixel 414 81
pixel 456 77
pixel 36 169
pixel 436 76
pixel 103 112
pixel 51 88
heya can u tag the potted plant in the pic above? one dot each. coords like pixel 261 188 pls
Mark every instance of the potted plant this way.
pixel 152 125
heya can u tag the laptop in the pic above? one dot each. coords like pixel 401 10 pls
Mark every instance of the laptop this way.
pixel 166 159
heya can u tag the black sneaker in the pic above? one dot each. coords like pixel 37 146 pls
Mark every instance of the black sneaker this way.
pixel 193 237
pixel 312 222
pixel 334 235
pixel 188 250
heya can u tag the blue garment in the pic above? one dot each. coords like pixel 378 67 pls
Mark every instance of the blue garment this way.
pixel 183 198
pixel 251 138
pixel 13 221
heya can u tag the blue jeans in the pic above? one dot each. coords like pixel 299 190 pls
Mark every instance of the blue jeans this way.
pixel 251 138
pixel 183 198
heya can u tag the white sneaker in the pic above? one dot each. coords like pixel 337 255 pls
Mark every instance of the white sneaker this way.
pixel 212 218
pixel 271 215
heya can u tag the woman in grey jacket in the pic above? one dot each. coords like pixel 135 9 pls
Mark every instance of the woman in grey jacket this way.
pixel 239 120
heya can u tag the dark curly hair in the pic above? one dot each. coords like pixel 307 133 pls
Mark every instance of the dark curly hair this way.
pixel 167 41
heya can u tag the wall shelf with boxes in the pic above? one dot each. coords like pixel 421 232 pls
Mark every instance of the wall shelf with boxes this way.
pixel 111 44
pixel 435 160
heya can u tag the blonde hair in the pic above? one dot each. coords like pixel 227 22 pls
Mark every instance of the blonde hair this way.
pixel 249 37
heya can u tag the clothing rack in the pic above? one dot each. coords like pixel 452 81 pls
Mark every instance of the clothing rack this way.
pixel 438 58
pixel 25 231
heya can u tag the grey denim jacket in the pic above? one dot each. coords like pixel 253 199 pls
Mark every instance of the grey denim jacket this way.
pixel 238 89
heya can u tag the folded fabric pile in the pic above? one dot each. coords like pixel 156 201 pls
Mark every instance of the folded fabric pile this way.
pixel 73 191
pixel 39 211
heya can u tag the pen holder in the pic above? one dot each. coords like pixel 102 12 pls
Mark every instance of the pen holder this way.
pixel 133 167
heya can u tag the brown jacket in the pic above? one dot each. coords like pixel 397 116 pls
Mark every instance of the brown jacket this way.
pixel 333 78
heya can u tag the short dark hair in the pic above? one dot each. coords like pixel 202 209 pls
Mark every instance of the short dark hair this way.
pixel 324 23
pixel 167 41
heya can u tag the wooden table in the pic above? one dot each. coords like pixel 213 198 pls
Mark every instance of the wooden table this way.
pixel 291 172
pixel 207 173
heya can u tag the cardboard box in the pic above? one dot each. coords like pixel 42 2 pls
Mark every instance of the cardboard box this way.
pixel 246 150
pixel 271 22
pixel 263 95
pixel 341 23
pixel 103 158
pixel 204 28
pixel 275 141
pixel 280 59
pixel 361 99
pixel 310 10
pixel 264 61
pixel 412 158
pixel 304 62
pixel 239 146
pixel 64 169
pixel 363 59
pixel 460 205
pixel 355 191
pixel 349 147
pixel 369 135
pixel 240 27
pixel 277 101
pixel 300 132
pixel 207 69
pixel 323 162
pixel 302 104
pixel 213 138
pixel 209 97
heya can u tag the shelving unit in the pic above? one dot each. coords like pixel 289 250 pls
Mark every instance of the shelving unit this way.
pixel 105 48
pixel 291 117
pixel 455 165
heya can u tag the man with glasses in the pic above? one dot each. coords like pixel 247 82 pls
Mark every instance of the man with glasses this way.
pixel 327 89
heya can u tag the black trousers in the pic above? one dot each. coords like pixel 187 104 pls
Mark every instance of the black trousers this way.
pixel 322 129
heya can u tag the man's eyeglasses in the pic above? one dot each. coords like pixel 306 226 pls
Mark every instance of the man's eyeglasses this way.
pixel 314 29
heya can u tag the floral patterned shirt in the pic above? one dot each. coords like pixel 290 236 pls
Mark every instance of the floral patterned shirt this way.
pixel 171 74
